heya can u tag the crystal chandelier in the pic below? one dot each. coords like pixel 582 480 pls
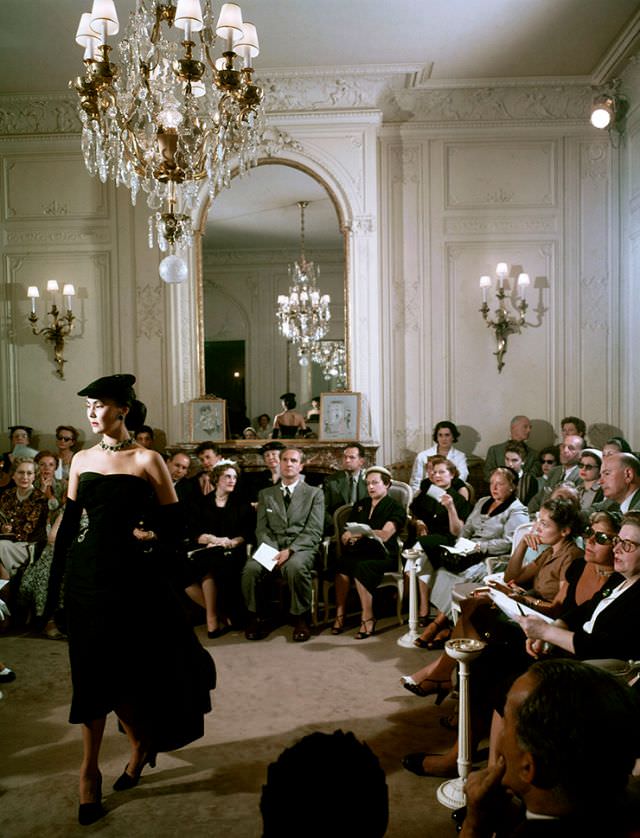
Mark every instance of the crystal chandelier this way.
pixel 168 117
pixel 331 355
pixel 303 315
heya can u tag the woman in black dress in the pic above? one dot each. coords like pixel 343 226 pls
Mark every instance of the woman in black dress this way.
pixel 367 559
pixel 220 527
pixel 124 621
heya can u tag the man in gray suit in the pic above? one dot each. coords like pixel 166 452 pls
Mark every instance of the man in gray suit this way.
pixel 290 519
pixel 567 472
pixel 620 481
pixel 520 429
pixel 347 486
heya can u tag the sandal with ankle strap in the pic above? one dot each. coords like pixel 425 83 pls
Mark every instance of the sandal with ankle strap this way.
pixel 363 633
pixel 429 634
pixel 338 624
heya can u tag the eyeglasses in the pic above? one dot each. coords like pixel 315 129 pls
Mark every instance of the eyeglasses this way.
pixel 64 438
pixel 627 545
pixel 599 537
pixel 548 462
pixel 588 466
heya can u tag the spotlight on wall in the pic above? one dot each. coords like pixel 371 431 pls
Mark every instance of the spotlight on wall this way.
pixel 609 109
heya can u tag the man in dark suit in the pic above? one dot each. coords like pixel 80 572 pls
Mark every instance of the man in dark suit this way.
pixel 347 486
pixel 567 472
pixel 178 464
pixel 620 481
pixel 520 429
pixel 550 753
pixel 290 519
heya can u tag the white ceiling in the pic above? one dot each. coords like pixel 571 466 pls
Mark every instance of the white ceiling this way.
pixel 451 39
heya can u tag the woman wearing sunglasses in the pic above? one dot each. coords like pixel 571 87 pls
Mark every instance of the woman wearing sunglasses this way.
pixel 608 624
pixel 589 488
pixel 588 581
pixel 66 439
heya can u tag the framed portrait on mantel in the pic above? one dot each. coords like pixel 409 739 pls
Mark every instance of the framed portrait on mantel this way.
pixel 207 419
pixel 339 416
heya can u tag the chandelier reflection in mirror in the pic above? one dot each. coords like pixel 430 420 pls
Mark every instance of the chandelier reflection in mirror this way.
pixel 167 116
pixel 303 316
pixel 331 355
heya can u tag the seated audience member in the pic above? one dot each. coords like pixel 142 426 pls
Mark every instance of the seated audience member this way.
pixel 222 527
pixel 514 456
pixel 54 489
pixel 616 445
pixel 290 519
pixel 433 516
pixel 270 476
pixel 547 459
pixel 569 743
pixel 23 517
pixel 520 429
pixel 506 656
pixel 491 525
pixel 66 442
pixel 144 436
pixel 33 592
pixel 573 426
pixel 200 484
pixel 19 435
pixel 262 426
pixel 567 472
pixel 347 486
pixel 367 559
pixel 288 423
pixel 445 434
pixel 320 767
pixel 620 482
pixel 589 488
pixel 178 464
pixel 249 433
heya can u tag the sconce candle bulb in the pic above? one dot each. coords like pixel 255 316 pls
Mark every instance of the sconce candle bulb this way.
pixel 503 323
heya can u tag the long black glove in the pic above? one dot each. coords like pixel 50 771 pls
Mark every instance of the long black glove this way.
pixel 67 531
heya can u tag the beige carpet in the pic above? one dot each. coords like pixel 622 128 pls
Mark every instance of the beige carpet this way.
pixel 270 694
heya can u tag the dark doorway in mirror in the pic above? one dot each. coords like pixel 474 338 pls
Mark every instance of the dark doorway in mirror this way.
pixel 224 363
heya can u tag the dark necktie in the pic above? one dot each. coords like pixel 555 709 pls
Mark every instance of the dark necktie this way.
pixel 354 490
pixel 287 496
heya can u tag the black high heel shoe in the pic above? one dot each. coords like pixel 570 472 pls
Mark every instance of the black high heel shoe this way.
pixel 363 633
pixel 441 690
pixel 128 781
pixel 89 813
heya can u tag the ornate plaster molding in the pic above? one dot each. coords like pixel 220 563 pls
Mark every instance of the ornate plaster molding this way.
pixel 47 113
pixel 149 311
pixel 97 235
pixel 211 259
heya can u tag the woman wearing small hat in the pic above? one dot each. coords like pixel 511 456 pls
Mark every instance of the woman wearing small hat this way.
pixel 367 559
pixel 589 488
pixel 287 423
pixel 131 648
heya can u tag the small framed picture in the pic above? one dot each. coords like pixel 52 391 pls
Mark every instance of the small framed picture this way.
pixel 339 416
pixel 207 419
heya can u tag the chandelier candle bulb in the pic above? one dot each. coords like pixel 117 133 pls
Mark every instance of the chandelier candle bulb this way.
pixel 523 284
pixel 485 284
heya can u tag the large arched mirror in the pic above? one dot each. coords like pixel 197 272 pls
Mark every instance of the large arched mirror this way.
pixel 251 238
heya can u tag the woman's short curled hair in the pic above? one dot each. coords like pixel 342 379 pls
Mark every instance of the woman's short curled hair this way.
pixel 289 400
pixel 564 513
pixel 220 469
pixel 439 460
pixel 455 433
pixel 509 474
pixel 385 474
pixel 70 429
pixel 46 453
pixel 613 519
pixel 18 461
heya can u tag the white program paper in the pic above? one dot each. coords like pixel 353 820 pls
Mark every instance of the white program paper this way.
pixel 436 492
pixel 463 547
pixel 514 609
pixel 266 555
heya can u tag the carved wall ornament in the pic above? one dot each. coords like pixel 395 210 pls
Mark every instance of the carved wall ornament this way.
pixel 49 113
pixel 55 208
pixel 149 310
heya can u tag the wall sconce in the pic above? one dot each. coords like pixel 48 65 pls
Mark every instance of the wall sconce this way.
pixel 503 323
pixel 60 325
pixel 609 109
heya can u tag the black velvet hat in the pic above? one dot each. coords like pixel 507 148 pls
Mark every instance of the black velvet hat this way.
pixel 118 387
pixel 272 446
